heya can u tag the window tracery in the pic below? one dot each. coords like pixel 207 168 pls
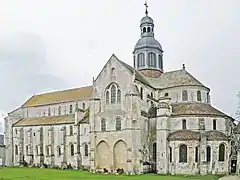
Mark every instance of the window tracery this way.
pixel 113 94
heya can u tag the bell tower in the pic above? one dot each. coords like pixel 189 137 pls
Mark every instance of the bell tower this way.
pixel 148 53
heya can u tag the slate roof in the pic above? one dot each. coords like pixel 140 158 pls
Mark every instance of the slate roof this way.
pixel 187 135
pixel 184 135
pixel 174 79
pixel 196 109
pixel 59 96
pixel 216 136
pixel 166 80
pixel 47 120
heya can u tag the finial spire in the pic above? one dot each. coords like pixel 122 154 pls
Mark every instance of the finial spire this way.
pixel 183 66
pixel 146 12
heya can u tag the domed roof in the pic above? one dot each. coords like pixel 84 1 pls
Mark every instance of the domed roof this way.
pixel 148 41
pixel 146 19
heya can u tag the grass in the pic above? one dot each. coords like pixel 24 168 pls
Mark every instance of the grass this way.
pixel 52 174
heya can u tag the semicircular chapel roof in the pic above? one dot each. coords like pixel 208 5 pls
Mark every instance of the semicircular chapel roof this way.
pixel 184 135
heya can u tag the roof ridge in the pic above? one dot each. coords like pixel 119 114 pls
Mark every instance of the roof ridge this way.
pixel 63 90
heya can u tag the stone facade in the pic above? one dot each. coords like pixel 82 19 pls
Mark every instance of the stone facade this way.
pixel 160 122
pixel 2 150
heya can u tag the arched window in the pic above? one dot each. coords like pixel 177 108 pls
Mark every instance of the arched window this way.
pixel 113 72
pixel 141 60
pixel 36 150
pixel 113 94
pixel 118 95
pixel 49 112
pixel 76 106
pixel 47 151
pixel 214 124
pixel 208 154
pixel 83 106
pixel 148 29
pixel 71 149
pixel 151 60
pixel 16 149
pixel 154 152
pixel 184 96
pixel 59 110
pixel 107 97
pixel 86 150
pixel 166 95
pixel 71 130
pixel 208 97
pixel 184 124
pixel 221 153
pixel 27 150
pixel 118 124
pixel 170 154
pixel 70 109
pixel 196 154
pixel 103 125
pixel 141 92
pixel 183 153
pixel 199 96
pixel 160 62
pixel 144 30
pixel 59 150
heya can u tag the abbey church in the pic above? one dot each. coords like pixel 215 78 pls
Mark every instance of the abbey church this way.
pixel 139 119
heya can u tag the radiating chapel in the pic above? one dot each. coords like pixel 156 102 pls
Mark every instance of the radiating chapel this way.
pixel 139 119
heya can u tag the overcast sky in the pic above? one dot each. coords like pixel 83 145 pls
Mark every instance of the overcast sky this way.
pixel 55 44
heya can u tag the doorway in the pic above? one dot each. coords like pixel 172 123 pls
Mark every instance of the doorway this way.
pixel 233 166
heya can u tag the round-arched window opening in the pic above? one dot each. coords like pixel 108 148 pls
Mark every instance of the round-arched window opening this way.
pixel 148 29
pixel 144 30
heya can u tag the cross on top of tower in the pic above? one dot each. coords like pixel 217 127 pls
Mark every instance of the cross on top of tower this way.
pixel 146 12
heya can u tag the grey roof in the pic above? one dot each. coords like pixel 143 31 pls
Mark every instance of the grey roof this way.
pixel 167 79
pixel 148 42
pixel 1 139
pixel 203 109
pixel 146 19
pixel 188 135
pixel 174 79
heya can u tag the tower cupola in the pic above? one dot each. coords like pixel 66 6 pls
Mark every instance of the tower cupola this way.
pixel 148 51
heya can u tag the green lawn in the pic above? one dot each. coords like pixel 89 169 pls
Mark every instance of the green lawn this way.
pixel 52 174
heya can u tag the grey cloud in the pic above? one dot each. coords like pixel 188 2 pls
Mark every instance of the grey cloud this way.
pixel 24 69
